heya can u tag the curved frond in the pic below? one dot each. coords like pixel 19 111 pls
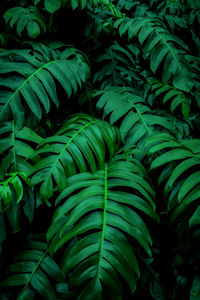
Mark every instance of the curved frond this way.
pixel 28 18
pixel 102 209
pixel 31 270
pixel 83 143
pixel 162 48
pixel 136 119
pixel 31 78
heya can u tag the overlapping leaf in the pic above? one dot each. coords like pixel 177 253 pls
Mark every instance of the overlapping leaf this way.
pixel 101 209
pixel 172 95
pixel 117 66
pixel 53 5
pixel 31 270
pixel 181 163
pixel 162 48
pixel 30 78
pixel 136 120
pixel 170 7
pixel 8 186
pixel 16 200
pixel 16 147
pixel 181 128
pixel 82 144
pixel 28 18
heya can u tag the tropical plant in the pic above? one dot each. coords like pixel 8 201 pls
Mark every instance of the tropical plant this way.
pixel 100 150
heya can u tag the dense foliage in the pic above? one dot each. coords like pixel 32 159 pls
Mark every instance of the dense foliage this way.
pixel 100 149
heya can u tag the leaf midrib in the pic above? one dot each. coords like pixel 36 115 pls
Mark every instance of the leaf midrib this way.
pixel 25 81
pixel 168 46
pixel 140 115
pixel 65 147
pixel 35 268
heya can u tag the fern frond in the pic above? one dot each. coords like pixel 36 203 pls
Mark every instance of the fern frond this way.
pixel 101 209
pixel 136 120
pixel 28 18
pixel 82 144
pixel 31 270
pixel 161 47
pixel 31 78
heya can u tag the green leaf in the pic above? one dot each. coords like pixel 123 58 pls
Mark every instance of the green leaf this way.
pixel 80 145
pixel 136 119
pixel 33 30
pixel 174 96
pixel 189 183
pixel 195 218
pixel 10 185
pixel 96 206
pixel 116 66
pixel 36 75
pixel 52 5
pixel 156 290
pixel 28 18
pixel 181 168
pixel 16 147
pixel 170 156
pixel 162 48
pixel 32 267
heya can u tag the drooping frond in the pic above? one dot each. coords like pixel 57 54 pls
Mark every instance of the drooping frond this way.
pixel 101 209
pixel 82 144
pixel 30 78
